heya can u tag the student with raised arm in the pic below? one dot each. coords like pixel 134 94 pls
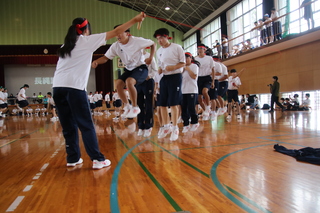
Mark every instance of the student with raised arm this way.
pixel 69 88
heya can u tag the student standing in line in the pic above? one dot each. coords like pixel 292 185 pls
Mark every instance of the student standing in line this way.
pixel 107 100
pixel 3 106
pixel 130 50
pixel 189 90
pixel 52 106
pixel 69 88
pixel 22 98
pixel 234 84
pixel 213 92
pixel 171 61
pixel 205 80
pixel 223 87
pixel 157 79
pixel 145 92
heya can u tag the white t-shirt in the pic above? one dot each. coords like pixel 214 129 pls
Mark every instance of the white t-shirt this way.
pixel 5 97
pixel 270 23
pixel 274 15
pixel 107 97
pixel 169 56
pixel 206 65
pixel 217 70
pixel 1 97
pixel 306 102
pixel 73 71
pixel 152 68
pixel 96 97
pixel 233 81
pixel 115 96
pixel 22 93
pixel 51 101
pixel 189 85
pixel 224 70
pixel 90 97
pixel 131 54
pixel 100 97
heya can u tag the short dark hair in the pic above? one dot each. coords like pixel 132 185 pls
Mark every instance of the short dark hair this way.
pixel 275 77
pixel 308 95
pixel 161 32
pixel 128 30
pixel 26 85
pixel 233 71
pixel 49 93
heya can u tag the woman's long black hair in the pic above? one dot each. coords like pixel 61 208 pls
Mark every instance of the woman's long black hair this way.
pixel 71 37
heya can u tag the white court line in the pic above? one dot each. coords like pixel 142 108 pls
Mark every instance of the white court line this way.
pixel 27 188
pixel 44 167
pixel 15 204
pixel 35 177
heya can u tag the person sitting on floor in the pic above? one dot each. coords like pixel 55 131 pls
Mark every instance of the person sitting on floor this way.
pixel 305 103
pixel 294 105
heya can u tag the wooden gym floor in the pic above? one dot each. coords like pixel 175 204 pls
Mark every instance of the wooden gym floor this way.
pixel 222 167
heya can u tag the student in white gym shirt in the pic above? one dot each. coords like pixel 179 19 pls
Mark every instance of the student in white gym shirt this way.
pixel 171 61
pixel 69 88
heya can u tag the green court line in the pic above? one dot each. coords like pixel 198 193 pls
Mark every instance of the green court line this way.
pixel 222 189
pixel 201 147
pixel 18 139
pixel 233 199
pixel 193 167
pixel 246 199
pixel 10 135
pixel 113 189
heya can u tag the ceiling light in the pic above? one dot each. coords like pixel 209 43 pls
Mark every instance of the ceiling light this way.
pixel 167 8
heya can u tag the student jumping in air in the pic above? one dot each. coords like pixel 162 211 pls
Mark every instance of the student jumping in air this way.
pixel 171 61
pixel 130 50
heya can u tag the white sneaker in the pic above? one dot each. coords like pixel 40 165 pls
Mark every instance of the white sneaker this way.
pixel 101 164
pixel 140 132
pixel 213 115
pixel 134 111
pixel 126 109
pixel 194 127
pixel 220 111
pixel 229 117
pixel 205 118
pixel 174 134
pixel 80 161
pixel 164 132
pixel 225 109
pixel 160 130
pixel 205 114
pixel 147 132
pixel 238 116
pixel 185 129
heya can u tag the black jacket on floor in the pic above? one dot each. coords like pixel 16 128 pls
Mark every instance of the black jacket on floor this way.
pixel 308 154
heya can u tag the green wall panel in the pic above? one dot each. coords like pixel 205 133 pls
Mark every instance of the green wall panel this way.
pixel 46 22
